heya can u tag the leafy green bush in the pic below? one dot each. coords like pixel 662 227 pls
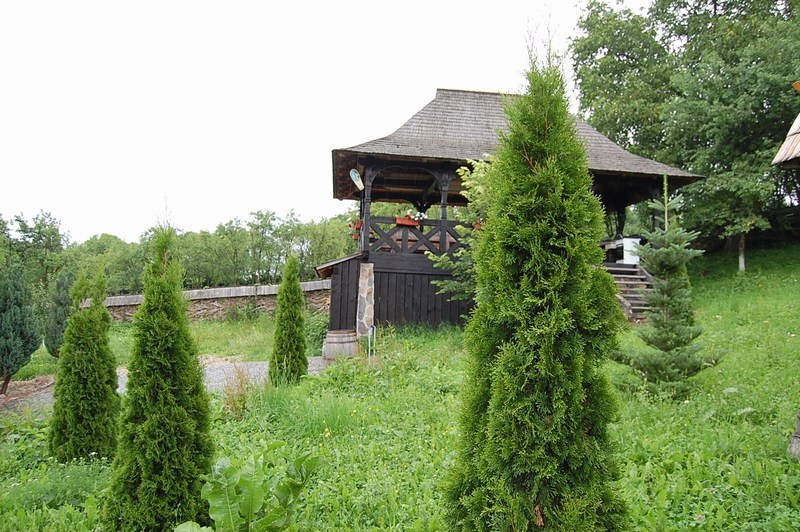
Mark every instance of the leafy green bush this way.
pixel 67 517
pixel 71 483
pixel 24 442
pixel 259 492
pixel 316 325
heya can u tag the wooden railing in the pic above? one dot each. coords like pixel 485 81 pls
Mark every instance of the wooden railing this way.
pixel 390 235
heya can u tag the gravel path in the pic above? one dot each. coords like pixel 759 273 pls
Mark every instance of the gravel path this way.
pixel 38 393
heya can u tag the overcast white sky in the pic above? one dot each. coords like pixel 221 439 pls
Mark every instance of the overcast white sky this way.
pixel 117 115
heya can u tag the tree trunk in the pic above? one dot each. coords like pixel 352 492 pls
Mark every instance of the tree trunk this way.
pixel 4 387
pixel 741 252
pixel 794 441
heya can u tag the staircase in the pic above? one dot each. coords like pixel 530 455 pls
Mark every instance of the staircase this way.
pixel 632 282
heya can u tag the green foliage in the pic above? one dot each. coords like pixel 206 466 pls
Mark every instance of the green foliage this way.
pixel 255 250
pixel 122 262
pixel 66 517
pixel 288 361
pixel 704 85
pixel 672 328
pixel 20 334
pixel 72 483
pixel 534 448
pixel 713 461
pixel 316 325
pixel 164 446
pixel 623 72
pixel 259 492
pixel 461 265
pixel 40 245
pixel 58 310
pixel 86 409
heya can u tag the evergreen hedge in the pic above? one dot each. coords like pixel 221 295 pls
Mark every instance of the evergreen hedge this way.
pixel 20 335
pixel 534 449
pixel 164 444
pixel 288 361
pixel 86 409
pixel 59 308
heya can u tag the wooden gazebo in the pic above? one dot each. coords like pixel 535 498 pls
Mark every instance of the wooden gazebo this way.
pixel 389 279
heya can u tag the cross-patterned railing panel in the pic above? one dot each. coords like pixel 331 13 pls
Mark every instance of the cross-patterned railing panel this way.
pixel 393 235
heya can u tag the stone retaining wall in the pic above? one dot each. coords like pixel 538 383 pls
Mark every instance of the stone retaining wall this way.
pixel 219 303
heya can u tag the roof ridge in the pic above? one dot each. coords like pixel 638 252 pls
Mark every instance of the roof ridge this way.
pixel 467 91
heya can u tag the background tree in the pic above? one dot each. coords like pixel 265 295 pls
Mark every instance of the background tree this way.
pixel 59 307
pixel 534 449
pixel 86 408
pixel 288 361
pixel 164 444
pixel 671 330
pixel 20 334
pixel 704 85
pixel 40 245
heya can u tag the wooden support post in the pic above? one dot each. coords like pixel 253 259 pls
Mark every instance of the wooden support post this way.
pixel 366 207
pixel 444 178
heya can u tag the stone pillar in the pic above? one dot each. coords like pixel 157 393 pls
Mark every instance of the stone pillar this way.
pixel 365 314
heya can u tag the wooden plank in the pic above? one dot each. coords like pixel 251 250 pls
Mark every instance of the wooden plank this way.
pixel 408 299
pixel 336 290
pixel 391 294
pixel 403 263
pixel 378 298
pixel 446 306
pixel 352 295
pixel 416 297
pixel 400 299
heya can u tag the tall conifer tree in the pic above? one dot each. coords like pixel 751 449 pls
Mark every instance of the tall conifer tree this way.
pixel 534 450
pixel 20 334
pixel 86 409
pixel 288 361
pixel 60 306
pixel 164 444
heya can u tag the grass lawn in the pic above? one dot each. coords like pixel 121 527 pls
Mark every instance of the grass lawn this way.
pixel 385 429
pixel 247 340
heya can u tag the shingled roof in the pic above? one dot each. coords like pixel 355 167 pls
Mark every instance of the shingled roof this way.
pixel 459 125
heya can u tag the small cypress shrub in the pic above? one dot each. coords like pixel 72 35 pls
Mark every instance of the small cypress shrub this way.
pixel 164 445
pixel 60 306
pixel 20 334
pixel 86 409
pixel 288 361
pixel 534 450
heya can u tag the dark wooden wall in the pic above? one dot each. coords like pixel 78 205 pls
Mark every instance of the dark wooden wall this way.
pixel 344 295
pixel 404 292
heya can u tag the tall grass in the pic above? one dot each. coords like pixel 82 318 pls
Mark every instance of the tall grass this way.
pixel 717 459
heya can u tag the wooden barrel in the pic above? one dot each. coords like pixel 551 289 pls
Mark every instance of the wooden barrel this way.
pixel 339 343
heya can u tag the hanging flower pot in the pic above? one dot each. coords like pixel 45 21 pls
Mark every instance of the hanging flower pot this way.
pixel 359 223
